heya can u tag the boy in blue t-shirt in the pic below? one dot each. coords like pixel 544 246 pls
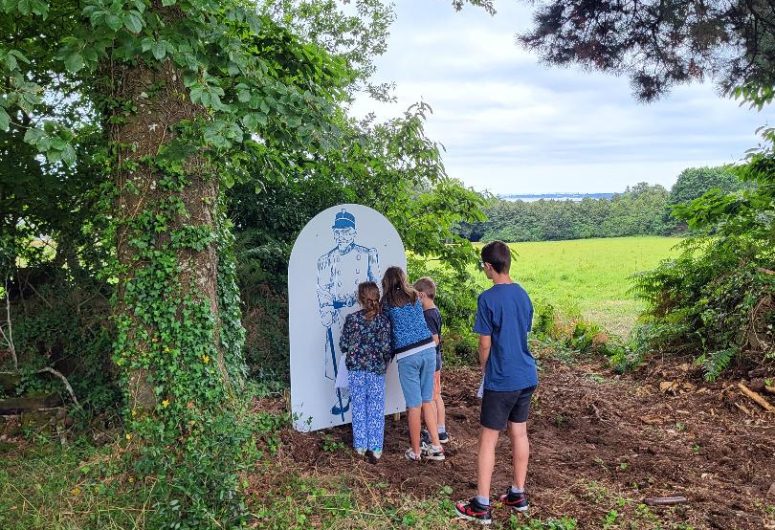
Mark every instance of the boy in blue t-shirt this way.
pixel 503 319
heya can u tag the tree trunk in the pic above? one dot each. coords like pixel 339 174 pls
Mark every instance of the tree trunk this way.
pixel 157 208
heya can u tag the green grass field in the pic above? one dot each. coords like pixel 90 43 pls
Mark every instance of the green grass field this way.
pixel 590 277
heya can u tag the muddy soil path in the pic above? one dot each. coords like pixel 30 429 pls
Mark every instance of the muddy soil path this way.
pixel 601 444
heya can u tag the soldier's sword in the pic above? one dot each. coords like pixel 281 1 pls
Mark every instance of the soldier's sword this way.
pixel 336 368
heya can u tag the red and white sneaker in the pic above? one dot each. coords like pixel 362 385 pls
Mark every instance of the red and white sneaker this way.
pixel 515 501
pixel 474 511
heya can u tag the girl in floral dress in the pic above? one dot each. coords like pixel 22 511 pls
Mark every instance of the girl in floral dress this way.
pixel 366 344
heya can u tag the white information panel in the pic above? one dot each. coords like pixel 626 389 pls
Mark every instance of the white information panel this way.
pixel 338 249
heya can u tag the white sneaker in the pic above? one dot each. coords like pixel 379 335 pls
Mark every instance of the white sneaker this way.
pixel 432 452
pixel 411 455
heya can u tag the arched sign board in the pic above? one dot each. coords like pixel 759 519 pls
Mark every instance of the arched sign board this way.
pixel 338 249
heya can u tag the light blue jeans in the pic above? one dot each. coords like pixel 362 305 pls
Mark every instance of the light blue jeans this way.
pixel 416 376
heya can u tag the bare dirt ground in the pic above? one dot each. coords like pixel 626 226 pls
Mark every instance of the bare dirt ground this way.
pixel 601 443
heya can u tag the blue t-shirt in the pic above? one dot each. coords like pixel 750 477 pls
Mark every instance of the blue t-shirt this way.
pixel 505 313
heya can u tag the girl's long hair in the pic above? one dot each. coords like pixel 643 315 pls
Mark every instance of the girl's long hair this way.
pixel 396 290
pixel 368 297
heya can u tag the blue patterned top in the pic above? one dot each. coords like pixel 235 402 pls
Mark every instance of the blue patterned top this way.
pixel 366 342
pixel 409 328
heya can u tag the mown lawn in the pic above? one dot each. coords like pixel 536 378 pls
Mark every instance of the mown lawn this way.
pixel 591 278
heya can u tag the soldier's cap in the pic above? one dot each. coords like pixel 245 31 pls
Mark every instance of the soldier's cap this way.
pixel 344 219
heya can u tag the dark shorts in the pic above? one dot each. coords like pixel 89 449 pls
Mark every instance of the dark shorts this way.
pixel 498 408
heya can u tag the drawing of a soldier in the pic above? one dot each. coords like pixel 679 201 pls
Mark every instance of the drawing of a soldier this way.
pixel 340 270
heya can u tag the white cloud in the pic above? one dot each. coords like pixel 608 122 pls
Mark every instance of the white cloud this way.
pixel 510 124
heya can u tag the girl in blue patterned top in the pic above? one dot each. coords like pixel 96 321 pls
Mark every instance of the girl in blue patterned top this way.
pixel 415 351
pixel 366 344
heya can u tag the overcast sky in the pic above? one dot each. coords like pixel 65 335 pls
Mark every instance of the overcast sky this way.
pixel 512 125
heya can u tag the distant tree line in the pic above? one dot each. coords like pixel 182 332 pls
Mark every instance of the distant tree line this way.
pixel 642 209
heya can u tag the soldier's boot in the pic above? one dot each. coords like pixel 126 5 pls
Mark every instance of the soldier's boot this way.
pixel 337 410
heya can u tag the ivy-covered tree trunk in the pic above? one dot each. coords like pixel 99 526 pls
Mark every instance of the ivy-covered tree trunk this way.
pixel 165 240
pixel 180 89
pixel 177 316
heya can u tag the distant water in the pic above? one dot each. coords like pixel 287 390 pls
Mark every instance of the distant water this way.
pixel 575 197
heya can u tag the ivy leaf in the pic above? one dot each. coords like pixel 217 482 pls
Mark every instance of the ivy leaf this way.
pixel 255 120
pixel 19 56
pixel 196 94
pixel 74 62
pixel 113 22
pixel 33 136
pixel 24 7
pixel 215 139
pixel 40 8
pixel 11 63
pixel 133 22
pixel 68 155
pixel 167 3
pixel 254 23
pixel 159 50
pixel 5 120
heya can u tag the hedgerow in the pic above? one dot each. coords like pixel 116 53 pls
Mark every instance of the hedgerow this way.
pixel 716 300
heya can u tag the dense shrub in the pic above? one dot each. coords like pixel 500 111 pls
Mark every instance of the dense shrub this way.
pixel 716 298
pixel 456 295
pixel 693 183
pixel 265 319
pixel 64 325
pixel 568 332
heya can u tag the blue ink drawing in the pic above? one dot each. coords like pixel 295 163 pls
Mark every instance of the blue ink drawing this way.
pixel 340 270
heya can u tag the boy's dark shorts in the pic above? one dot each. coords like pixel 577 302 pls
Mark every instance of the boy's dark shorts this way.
pixel 498 408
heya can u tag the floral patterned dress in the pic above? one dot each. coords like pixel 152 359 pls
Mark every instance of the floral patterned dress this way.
pixel 367 348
